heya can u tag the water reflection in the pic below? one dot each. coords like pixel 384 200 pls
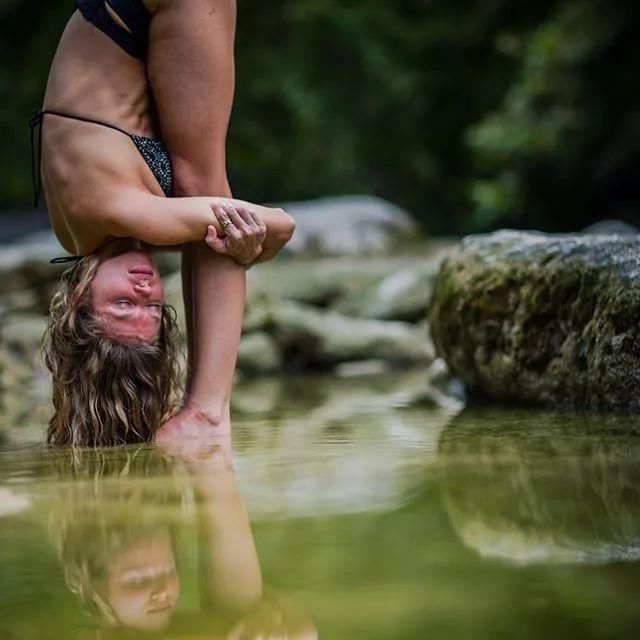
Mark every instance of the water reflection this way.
pixel 534 488
pixel 158 543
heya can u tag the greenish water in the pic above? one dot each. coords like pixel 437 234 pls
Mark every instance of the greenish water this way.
pixel 368 520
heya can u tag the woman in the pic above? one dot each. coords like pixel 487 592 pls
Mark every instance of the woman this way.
pixel 106 175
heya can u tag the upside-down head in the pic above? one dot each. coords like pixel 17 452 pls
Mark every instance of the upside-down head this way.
pixel 111 348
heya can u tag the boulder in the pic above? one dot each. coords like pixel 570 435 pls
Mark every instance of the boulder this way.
pixel 258 354
pixel 348 225
pixel 611 227
pixel 22 333
pixel 403 294
pixel 25 263
pixel 311 338
pixel 24 387
pixel 319 282
pixel 395 287
pixel 547 319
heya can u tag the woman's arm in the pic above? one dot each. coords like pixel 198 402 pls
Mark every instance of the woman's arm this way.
pixel 162 221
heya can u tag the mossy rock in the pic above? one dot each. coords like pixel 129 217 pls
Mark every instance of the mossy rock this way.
pixel 546 319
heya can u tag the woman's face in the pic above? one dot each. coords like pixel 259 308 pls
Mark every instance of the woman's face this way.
pixel 126 293
pixel 143 585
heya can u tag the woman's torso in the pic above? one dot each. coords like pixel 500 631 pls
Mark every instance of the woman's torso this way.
pixel 82 163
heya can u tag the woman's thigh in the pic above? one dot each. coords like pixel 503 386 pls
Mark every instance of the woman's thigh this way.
pixel 191 74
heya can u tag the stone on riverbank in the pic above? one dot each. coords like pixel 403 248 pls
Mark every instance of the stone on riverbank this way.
pixel 311 338
pixel 351 224
pixel 258 354
pixel 24 386
pixel 547 319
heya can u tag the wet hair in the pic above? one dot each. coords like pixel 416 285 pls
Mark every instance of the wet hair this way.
pixel 111 501
pixel 106 391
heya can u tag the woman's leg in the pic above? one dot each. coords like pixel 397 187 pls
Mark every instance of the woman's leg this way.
pixel 218 292
pixel 190 70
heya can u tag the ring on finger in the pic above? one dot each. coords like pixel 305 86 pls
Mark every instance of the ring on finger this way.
pixel 226 223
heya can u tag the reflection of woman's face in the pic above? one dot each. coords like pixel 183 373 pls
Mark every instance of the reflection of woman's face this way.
pixel 127 295
pixel 143 585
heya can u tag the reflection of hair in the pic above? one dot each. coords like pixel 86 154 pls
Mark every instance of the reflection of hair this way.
pixel 116 499
pixel 105 391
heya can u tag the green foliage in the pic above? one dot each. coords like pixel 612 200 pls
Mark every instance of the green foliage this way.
pixel 469 114
pixel 563 145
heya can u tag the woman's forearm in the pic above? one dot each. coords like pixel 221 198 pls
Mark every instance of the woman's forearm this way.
pixel 169 221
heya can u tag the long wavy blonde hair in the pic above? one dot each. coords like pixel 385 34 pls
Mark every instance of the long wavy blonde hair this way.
pixel 105 391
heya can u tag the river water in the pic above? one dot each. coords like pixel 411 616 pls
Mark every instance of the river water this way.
pixel 341 513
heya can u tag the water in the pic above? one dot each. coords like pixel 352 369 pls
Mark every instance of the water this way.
pixel 368 520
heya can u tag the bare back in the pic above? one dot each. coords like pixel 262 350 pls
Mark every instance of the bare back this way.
pixel 83 163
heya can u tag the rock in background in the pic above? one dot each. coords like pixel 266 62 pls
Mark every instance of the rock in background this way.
pixel 547 319
pixel 348 225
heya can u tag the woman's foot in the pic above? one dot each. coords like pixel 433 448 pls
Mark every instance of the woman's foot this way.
pixel 195 437
pixel 194 424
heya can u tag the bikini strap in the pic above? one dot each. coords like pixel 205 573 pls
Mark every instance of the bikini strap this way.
pixel 36 121
pixel 72 116
pixel 65 259
pixel 76 259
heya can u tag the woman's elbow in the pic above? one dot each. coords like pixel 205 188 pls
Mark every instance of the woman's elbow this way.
pixel 281 229
pixel 286 227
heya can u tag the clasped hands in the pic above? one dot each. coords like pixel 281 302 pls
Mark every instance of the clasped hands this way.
pixel 243 233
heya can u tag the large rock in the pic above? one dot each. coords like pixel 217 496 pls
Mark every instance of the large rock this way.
pixel 348 225
pixel 394 287
pixel 404 294
pixel 550 319
pixel 24 266
pixel 311 338
pixel 23 332
pixel 319 282
pixel 258 354
pixel 612 227
pixel 24 387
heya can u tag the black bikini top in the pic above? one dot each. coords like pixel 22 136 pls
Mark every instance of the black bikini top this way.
pixel 132 12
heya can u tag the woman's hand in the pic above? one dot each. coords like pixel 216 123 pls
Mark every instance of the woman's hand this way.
pixel 243 230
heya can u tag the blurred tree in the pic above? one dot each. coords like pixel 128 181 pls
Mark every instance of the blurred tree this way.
pixel 471 114
pixel 563 148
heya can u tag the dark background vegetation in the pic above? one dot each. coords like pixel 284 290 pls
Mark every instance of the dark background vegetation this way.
pixel 472 114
